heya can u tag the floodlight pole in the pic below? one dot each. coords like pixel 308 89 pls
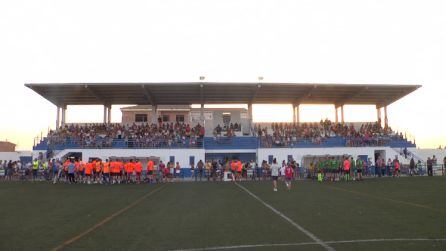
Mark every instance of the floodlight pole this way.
pixel 202 114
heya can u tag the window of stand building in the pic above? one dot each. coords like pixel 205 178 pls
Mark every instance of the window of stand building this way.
pixel 180 118
pixel 140 117
pixel 165 118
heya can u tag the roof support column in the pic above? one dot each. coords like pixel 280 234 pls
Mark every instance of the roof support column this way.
pixel 296 113
pixel 105 114
pixel 250 114
pixel 64 111
pixel 378 114
pixel 154 114
pixel 58 118
pixel 386 121
pixel 109 114
pixel 342 114
pixel 336 114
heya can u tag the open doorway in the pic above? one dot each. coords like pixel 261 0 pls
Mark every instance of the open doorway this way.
pixel 226 119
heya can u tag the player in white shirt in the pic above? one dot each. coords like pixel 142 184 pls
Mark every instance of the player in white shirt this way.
pixel 275 174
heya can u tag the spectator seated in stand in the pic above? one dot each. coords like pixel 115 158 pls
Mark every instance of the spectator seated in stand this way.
pixel 134 136
pixel 228 131
pixel 290 134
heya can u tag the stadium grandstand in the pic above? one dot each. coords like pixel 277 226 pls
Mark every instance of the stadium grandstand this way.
pixel 163 118
pixel 173 168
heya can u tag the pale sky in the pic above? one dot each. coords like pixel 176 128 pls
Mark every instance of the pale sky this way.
pixel 316 41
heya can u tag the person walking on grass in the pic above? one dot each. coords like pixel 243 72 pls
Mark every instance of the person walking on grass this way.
pixel 429 167
pixel 396 169
pixel 200 166
pixel 106 172
pixel 239 169
pixel 419 167
pixel 353 170
pixel 149 173
pixel 166 172
pixel 57 171
pixel 359 168
pixel 138 171
pixel 346 169
pixel 88 172
pixel 161 172
pixel 411 166
pixel 177 171
pixel 71 169
pixel 282 170
pixel 275 174
pixel 444 165
pixel 289 171
pixel 192 172
pixel 35 169
pixel 233 170
pixel 214 170
pixel 208 167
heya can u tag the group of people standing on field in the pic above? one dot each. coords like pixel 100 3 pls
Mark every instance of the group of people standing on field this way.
pixel 348 168
pixel 250 170
pixel 337 168
pixel 118 171
pixel 9 168
pixel 286 171
pixel 111 172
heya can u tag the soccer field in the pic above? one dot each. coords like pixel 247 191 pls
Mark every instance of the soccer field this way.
pixel 398 214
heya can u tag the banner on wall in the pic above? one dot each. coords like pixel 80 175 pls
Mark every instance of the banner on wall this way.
pixel 208 116
pixel 195 116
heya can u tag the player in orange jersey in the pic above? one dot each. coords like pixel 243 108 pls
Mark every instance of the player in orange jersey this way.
pixel 106 172
pixel 98 171
pixel 138 171
pixel 89 171
pixel 150 168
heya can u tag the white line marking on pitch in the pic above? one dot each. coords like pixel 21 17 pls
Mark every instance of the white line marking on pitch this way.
pixel 307 244
pixel 107 219
pixel 299 227
pixel 250 246
pixel 384 240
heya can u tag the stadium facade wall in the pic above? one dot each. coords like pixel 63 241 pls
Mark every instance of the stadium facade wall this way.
pixel 14 156
pixel 298 153
pixel 237 115
pixel 183 156
pixel 425 153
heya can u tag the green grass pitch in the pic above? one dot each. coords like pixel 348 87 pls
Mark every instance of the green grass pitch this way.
pixel 347 216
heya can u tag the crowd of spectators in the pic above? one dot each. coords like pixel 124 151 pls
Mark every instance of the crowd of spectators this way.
pixel 289 134
pixel 128 136
pixel 227 130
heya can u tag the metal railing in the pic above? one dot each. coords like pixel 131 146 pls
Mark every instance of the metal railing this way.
pixel 337 141
pixel 108 143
